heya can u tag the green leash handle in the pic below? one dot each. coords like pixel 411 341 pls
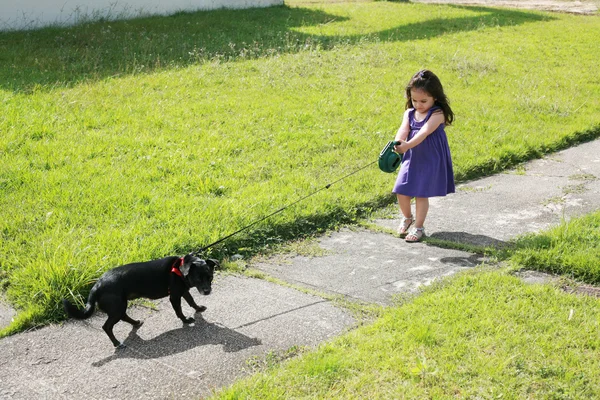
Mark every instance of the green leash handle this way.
pixel 389 160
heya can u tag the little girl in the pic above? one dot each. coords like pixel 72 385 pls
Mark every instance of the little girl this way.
pixel 426 168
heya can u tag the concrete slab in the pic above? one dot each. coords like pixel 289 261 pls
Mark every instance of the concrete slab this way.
pixel 246 318
pixel 498 208
pixel 369 266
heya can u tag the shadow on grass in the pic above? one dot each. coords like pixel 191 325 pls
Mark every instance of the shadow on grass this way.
pixel 61 57
pixel 265 237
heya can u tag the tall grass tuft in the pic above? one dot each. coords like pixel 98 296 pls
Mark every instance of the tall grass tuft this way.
pixel 571 249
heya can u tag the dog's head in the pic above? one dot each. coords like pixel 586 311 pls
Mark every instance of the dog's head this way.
pixel 198 272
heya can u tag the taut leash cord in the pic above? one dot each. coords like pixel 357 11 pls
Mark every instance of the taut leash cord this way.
pixel 200 250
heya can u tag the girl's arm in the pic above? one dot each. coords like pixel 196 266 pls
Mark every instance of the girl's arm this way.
pixel 403 131
pixel 435 120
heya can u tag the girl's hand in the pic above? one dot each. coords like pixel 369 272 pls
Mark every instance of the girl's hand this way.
pixel 402 147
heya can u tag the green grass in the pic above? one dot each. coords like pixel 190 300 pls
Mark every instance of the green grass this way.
pixel 126 141
pixel 571 249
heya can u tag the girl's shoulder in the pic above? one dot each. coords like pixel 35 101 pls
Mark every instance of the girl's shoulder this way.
pixel 435 111
pixel 436 116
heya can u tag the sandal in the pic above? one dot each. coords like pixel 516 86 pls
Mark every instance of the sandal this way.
pixel 415 235
pixel 404 225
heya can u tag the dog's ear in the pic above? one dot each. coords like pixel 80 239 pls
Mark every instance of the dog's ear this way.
pixel 185 267
pixel 213 264
pixel 188 260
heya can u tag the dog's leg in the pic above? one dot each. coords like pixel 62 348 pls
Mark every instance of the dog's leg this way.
pixel 132 321
pixel 190 300
pixel 115 307
pixel 108 328
pixel 176 303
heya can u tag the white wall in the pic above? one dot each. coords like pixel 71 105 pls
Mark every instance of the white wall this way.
pixel 29 14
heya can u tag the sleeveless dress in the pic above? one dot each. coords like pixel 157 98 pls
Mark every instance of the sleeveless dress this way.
pixel 426 169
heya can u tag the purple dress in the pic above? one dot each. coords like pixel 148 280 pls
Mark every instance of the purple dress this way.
pixel 426 169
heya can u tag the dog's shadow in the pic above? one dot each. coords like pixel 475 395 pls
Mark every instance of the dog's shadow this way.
pixel 179 340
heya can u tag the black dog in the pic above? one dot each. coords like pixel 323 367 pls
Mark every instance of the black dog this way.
pixel 170 276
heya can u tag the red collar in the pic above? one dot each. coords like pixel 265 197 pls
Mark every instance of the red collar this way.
pixel 175 269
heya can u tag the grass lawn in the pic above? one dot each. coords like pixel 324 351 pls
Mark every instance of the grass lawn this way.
pixel 126 141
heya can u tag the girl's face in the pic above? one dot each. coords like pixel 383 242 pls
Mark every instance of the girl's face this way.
pixel 421 100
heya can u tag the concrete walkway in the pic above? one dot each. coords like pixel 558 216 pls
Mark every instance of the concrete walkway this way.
pixel 248 319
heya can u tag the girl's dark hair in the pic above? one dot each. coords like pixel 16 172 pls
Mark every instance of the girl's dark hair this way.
pixel 427 81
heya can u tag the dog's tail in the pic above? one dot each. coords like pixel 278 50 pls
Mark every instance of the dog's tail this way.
pixel 77 313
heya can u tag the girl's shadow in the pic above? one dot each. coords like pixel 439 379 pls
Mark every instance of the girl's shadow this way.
pixel 180 340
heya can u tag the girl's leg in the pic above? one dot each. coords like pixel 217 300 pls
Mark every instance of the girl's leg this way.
pixel 404 204
pixel 422 207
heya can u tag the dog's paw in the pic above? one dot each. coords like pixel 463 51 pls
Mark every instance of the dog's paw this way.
pixel 120 346
pixel 189 320
pixel 201 309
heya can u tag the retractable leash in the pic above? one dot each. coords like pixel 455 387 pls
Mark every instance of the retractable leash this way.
pixel 388 162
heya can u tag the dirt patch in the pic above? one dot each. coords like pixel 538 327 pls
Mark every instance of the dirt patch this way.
pixel 7 313
pixel 584 289
pixel 586 7
pixel 573 7
pixel 540 278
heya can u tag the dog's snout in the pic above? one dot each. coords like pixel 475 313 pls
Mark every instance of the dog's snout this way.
pixel 205 291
